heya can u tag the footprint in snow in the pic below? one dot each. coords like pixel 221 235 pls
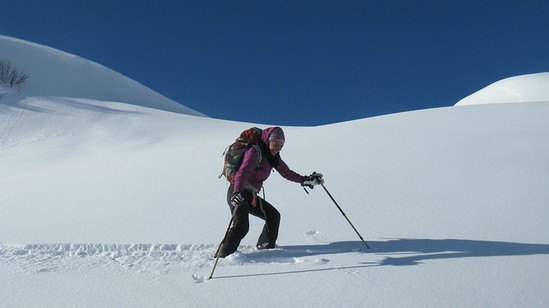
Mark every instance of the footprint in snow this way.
pixel 198 278
pixel 313 236
pixel 317 261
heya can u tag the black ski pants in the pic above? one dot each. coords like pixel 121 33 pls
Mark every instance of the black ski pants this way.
pixel 241 222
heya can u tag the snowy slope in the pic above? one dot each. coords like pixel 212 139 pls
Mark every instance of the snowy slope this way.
pixel 524 88
pixel 56 73
pixel 114 204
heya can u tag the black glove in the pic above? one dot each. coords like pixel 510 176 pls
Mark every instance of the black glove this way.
pixel 237 199
pixel 312 180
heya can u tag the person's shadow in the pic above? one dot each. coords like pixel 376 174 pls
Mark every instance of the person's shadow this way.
pixel 419 250
pixel 397 252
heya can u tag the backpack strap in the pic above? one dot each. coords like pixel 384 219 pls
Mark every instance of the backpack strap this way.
pixel 259 155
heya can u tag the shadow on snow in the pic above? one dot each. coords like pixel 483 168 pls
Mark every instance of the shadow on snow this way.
pixel 397 252
pixel 418 250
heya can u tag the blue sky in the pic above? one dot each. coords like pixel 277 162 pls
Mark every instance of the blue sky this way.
pixel 297 62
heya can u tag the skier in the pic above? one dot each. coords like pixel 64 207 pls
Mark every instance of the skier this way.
pixel 247 183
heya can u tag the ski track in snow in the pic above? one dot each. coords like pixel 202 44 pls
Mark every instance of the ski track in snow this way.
pixel 141 258
pixel 152 258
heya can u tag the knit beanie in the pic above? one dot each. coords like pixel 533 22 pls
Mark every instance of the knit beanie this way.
pixel 277 134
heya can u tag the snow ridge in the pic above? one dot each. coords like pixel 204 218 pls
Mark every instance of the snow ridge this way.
pixel 517 89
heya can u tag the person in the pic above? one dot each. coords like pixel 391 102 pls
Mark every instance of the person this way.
pixel 246 184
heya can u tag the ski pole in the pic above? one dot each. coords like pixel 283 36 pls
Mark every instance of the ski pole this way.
pixel 330 195
pixel 220 247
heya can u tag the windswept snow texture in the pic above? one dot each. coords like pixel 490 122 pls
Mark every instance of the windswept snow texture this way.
pixel 525 88
pixel 115 204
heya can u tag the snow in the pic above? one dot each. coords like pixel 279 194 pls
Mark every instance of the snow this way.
pixel 56 73
pixel 525 88
pixel 109 202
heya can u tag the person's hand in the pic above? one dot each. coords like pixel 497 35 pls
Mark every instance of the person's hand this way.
pixel 312 180
pixel 237 199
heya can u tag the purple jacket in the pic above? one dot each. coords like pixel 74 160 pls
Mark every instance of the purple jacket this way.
pixel 249 174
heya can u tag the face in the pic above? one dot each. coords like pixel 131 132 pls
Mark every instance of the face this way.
pixel 275 146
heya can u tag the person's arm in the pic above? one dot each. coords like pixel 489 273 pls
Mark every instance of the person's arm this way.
pixel 289 174
pixel 249 162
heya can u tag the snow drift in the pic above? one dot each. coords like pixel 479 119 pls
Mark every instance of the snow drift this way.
pixel 525 88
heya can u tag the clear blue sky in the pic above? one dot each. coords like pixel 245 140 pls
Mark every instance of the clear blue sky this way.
pixel 297 62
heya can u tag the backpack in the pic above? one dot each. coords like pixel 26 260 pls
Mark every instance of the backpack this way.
pixel 234 153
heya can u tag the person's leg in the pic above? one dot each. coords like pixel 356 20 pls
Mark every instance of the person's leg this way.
pixel 270 214
pixel 240 225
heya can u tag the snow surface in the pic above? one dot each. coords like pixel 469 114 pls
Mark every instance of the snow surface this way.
pixel 525 88
pixel 115 203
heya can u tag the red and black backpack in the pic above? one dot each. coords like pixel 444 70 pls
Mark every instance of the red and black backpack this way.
pixel 234 153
